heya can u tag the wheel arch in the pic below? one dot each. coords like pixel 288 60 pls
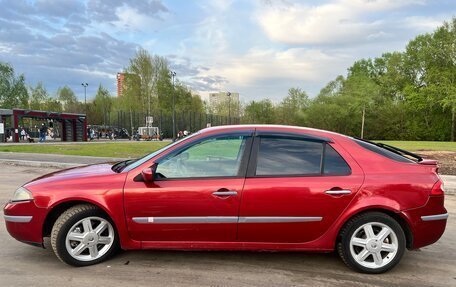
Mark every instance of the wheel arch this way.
pixel 395 215
pixel 57 209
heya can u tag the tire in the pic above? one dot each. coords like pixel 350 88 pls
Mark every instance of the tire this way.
pixel 371 249
pixel 86 231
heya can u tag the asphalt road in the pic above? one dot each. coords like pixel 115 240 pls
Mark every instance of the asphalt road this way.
pixel 23 265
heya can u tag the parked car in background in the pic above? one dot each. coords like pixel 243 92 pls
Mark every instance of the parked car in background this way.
pixel 251 187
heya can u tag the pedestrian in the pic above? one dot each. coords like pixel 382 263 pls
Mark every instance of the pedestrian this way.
pixel 23 134
pixel 43 131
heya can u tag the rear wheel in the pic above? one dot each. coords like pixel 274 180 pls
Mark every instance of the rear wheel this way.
pixel 372 243
pixel 83 235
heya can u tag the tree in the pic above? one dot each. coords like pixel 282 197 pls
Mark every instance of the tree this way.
pixel 101 106
pixel 38 97
pixel 69 101
pixel 363 92
pixel 151 72
pixel 259 112
pixel 13 92
pixel 292 108
pixel 442 76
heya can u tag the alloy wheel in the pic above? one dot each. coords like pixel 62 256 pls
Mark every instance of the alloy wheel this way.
pixel 374 245
pixel 90 238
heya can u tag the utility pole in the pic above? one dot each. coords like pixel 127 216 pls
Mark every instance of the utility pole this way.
pixel 173 74
pixel 452 124
pixel 362 122
pixel 229 106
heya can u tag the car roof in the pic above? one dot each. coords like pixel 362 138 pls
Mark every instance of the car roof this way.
pixel 274 128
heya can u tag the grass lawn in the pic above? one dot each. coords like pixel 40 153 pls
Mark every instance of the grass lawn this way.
pixel 422 145
pixel 117 149
pixel 138 149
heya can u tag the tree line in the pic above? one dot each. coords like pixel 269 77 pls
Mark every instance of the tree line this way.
pixel 148 87
pixel 409 95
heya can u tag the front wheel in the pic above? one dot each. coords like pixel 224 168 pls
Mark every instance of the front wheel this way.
pixel 372 243
pixel 83 235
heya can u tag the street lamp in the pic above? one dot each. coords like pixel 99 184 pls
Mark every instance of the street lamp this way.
pixel 229 106
pixel 85 96
pixel 173 74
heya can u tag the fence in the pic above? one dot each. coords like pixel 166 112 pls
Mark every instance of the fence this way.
pixel 189 121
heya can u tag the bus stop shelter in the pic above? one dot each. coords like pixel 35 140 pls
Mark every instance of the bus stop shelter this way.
pixel 73 126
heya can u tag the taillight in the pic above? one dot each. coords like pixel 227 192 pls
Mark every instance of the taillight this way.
pixel 438 188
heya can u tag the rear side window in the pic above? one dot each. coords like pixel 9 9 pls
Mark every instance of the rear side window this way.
pixel 286 156
pixel 382 151
pixel 282 156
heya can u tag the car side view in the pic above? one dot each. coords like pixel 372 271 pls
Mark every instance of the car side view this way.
pixel 246 187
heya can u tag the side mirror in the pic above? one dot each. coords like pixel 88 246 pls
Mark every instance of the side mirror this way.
pixel 147 174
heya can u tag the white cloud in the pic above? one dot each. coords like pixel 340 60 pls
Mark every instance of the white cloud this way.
pixel 338 21
pixel 295 64
pixel 423 23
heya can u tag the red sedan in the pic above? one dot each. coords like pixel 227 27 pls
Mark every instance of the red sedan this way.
pixel 241 188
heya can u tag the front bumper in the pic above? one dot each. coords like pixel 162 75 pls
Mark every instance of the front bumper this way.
pixel 24 222
pixel 427 223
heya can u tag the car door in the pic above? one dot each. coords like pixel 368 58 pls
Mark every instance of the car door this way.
pixel 196 192
pixel 296 187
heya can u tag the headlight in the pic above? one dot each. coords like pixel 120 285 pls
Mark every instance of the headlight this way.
pixel 22 194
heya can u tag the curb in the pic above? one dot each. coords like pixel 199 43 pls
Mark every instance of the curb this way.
pixel 43 164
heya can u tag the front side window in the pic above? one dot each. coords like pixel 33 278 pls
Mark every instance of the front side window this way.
pixel 210 158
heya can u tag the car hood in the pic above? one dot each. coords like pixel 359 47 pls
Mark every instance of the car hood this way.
pixel 75 173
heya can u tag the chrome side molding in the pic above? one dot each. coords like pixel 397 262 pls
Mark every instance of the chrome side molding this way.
pixel 225 219
pixel 278 219
pixel 21 219
pixel 434 217
pixel 187 219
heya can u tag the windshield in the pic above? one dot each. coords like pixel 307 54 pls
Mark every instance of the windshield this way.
pixel 135 164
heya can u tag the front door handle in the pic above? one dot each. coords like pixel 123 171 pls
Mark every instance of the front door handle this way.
pixel 338 191
pixel 225 193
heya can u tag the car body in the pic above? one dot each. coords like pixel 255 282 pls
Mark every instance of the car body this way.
pixel 247 187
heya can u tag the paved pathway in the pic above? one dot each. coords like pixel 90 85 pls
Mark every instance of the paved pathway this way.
pixel 51 160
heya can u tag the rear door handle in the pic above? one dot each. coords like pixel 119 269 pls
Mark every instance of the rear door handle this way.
pixel 338 192
pixel 225 193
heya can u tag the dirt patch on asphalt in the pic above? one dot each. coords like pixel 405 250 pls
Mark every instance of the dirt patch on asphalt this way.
pixel 446 159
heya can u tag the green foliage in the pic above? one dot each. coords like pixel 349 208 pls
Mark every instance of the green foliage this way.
pixel 13 92
pixel 40 99
pixel 291 110
pixel 259 112
pixel 408 95
pixel 148 87
pixel 101 106
pixel 69 102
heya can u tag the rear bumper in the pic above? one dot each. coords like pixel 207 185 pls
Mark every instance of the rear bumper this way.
pixel 24 222
pixel 427 223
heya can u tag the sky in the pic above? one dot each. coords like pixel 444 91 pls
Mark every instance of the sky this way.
pixel 259 48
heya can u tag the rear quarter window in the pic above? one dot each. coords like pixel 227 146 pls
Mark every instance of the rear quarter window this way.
pixel 334 164
pixel 382 151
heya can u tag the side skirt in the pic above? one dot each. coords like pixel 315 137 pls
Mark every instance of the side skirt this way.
pixel 215 246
